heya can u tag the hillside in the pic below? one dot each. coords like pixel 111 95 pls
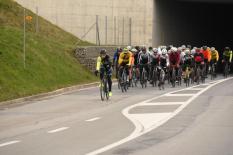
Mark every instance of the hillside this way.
pixel 50 63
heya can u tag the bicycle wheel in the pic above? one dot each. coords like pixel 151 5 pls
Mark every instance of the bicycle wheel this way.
pixel 102 92
pixel 154 78
pixel 106 89
pixel 226 70
pixel 123 81
pixel 173 78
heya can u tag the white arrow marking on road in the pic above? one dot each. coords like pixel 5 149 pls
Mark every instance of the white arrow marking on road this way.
pixel 9 143
pixel 58 130
pixel 93 119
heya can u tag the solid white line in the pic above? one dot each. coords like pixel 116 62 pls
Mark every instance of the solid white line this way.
pixel 195 88
pixel 9 143
pixel 139 130
pixel 58 130
pixel 161 103
pixel 93 119
pixel 179 94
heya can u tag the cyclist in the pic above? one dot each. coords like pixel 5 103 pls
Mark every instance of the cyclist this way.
pixel 199 60
pixel 155 59
pixel 144 59
pixel 116 58
pixel 104 64
pixel 125 60
pixel 174 60
pixel 187 61
pixel 227 55
pixel 207 57
pixel 214 57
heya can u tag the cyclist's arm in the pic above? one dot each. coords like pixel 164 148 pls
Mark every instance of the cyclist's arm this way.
pixel 230 56
pixel 209 56
pixel 98 63
pixel 217 56
pixel 120 59
pixel 130 59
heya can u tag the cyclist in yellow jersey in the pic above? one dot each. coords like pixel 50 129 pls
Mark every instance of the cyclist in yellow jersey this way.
pixel 104 64
pixel 125 60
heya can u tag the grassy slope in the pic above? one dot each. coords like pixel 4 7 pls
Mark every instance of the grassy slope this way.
pixel 49 60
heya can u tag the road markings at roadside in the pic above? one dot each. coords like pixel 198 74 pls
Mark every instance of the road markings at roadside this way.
pixel 58 130
pixel 9 143
pixel 141 123
pixel 93 119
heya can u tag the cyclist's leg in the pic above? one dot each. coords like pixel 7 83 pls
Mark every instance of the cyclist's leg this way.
pixel 109 78
pixel 101 73
pixel 140 70
pixel 148 71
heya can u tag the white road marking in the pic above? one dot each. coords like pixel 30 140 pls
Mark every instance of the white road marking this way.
pixel 161 103
pixel 179 94
pixel 9 143
pixel 58 130
pixel 93 119
pixel 191 88
pixel 148 120
pixel 139 131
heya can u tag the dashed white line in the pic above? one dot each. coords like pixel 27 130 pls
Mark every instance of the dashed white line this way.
pixel 58 130
pixel 93 119
pixel 9 143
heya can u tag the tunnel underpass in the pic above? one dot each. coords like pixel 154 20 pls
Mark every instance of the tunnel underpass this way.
pixel 193 22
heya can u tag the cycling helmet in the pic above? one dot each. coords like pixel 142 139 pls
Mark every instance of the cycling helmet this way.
pixel 212 49
pixel 129 48
pixel 193 51
pixel 227 48
pixel 205 47
pixel 125 50
pixel 155 50
pixel 103 51
pixel 187 51
pixel 164 51
pixel 150 48
pixel 174 49
pixel 134 50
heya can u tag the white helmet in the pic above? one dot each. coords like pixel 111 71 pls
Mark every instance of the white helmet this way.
pixel 155 50
pixel 212 49
pixel 129 48
pixel 187 51
pixel 134 50
pixel 174 49
pixel 164 51
pixel 193 51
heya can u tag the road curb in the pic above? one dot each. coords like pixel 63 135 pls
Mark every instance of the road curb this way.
pixel 43 96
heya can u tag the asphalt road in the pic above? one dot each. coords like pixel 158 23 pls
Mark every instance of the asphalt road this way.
pixel 197 120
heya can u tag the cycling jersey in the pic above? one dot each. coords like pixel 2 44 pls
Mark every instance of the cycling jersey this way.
pixel 125 58
pixel 207 55
pixel 198 57
pixel 144 58
pixel 227 55
pixel 174 58
pixel 103 62
pixel 214 55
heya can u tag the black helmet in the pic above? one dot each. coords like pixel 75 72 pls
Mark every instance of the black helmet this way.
pixel 150 48
pixel 103 51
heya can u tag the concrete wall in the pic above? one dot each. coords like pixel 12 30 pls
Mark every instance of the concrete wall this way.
pixel 78 17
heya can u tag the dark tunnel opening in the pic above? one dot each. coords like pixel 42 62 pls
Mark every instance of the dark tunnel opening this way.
pixel 193 23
